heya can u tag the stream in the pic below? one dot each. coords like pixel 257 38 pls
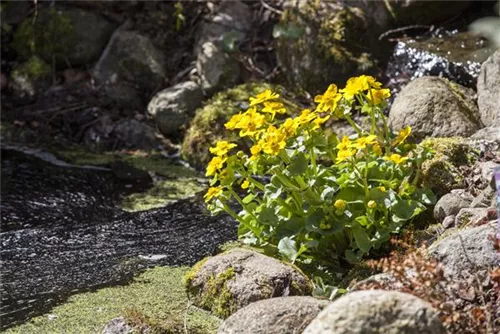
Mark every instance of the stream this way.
pixel 63 233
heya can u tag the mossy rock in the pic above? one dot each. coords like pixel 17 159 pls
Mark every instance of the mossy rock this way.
pixel 51 33
pixel 229 281
pixel 68 34
pixel 30 77
pixel 330 44
pixel 442 173
pixel 207 127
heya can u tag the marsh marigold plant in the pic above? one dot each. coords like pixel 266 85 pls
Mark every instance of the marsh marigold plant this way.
pixel 309 195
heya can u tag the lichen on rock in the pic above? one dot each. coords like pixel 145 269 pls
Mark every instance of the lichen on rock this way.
pixel 229 281
pixel 441 173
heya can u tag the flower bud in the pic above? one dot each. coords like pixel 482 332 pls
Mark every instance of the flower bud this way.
pixel 340 204
pixel 372 204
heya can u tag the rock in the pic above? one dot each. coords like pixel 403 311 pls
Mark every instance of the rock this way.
pixel 382 280
pixel 71 34
pixel 442 173
pixel 490 133
pixel 409 12
pixel 488 90
pixel 488 172
pixel 218 37
pixel 377 311
pixel 449 221
pixel 207 126
pixel 471 216
pixel 173 108
pixel 451 203
pixel 117 326
pixel 467 252
pixel 135 134
pixel 30 78
pixel 456 57
pixel 279 315
pixel 485 199
pixel 132 58
pixel 319 43
pixel 435 107
pixel 228 282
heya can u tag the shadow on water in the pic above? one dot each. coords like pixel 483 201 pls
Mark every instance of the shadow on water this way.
pixel 63 232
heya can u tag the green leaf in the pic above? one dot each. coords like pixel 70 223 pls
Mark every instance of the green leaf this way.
pixel 351 257
pixel 288 248
pixel 287 30
pixel 298 165
pixel 248 198
pixel 425 196
pixel 268 217
pixel 405 210
pixel 362 240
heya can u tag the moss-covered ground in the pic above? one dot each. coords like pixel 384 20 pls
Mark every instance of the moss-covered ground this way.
pixel 156 298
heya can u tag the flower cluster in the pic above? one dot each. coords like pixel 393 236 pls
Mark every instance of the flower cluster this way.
pixel 308 193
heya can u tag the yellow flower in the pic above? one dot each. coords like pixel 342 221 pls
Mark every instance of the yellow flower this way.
pixel 305 117
pixel 289 127
pixel 328 101
pixel 377 149
pixel 340 204
pixel 396 158
pixel 273 108
pixel 381 188
pixel 371 204
pixel 320 120
pixel 245 184
pixel 361 142
pixel 344 144
pixel 359 84
pixel 233 123
pixel 214 165
pixel 212 192
pixel 378 95
pixel 402 135
pixel 345 154
pixel 273 141
pixel 262 97
pixel 222 147
pixel 251 122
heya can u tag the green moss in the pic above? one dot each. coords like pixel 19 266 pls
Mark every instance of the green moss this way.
pixel 158 295
pixel 147 161
pixel 192 273
pixel 33 68
pixel 207 127
pixel 441 173
pixel 162 193
pixel 49 34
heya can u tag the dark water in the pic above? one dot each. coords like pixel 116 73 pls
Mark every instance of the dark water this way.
pixel 62 233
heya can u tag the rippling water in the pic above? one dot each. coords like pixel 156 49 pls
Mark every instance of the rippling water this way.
pixel 62 232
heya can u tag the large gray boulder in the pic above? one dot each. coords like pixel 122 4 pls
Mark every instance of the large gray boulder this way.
pixel 132 58
pixel 467 252
pixel 451 203
pixel 218 34
pixel 435 107
pixel 488 90
pixel 377 311
pixel 230 281
pixel 282 315
pixel 172 108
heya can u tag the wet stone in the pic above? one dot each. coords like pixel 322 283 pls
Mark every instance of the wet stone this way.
pixel 63 232
pixel 457 57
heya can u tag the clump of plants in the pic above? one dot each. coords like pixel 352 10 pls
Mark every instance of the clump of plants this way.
pixel 305 193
